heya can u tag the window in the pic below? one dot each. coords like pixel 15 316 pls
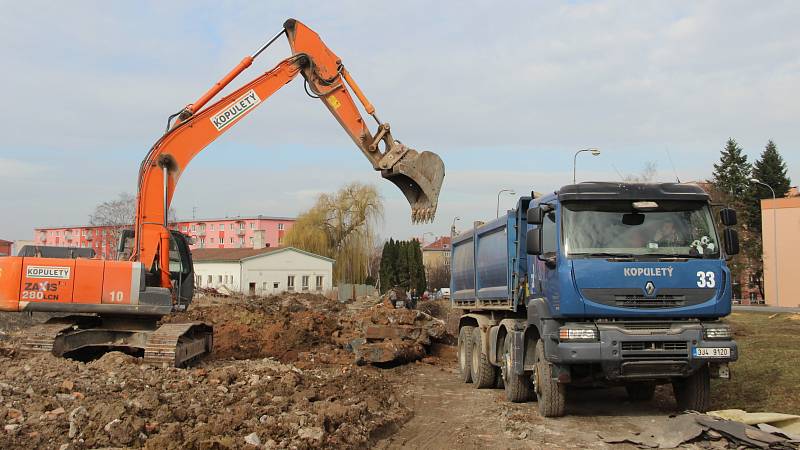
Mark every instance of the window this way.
pixel 251 241
pixel 209 279
pixel 241 241
pixel 280 227
pixel 184 228
pixel 212 240
pixel 252 225
pixel 305 282
pixel 230 241
pixel 264 286
pixel 199 279
pixel 211 227
pixel 202 242
pixel 219 279
pixel 290 283
pixel 231 226
pixel 193 227
pixel 241 225
pixel 319 282
pixel 549 233
pixel 275 285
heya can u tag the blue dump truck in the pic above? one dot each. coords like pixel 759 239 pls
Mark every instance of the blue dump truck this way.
pixel 597 284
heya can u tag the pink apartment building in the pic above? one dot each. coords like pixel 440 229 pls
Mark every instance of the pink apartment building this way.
pixel 230 232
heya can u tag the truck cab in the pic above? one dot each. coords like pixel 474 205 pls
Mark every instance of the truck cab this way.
pixel 611 284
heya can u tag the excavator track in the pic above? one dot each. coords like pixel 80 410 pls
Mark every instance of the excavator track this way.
pixel 178 344
pixel 41 338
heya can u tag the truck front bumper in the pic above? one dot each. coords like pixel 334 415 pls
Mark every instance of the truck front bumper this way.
pixel 630 351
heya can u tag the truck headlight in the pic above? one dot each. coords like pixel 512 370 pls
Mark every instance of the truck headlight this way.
pixel 567 334
pixel 717 333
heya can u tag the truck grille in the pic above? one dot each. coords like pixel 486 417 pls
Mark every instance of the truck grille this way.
pixel 635 326
pixel 659 301
pixel 666 346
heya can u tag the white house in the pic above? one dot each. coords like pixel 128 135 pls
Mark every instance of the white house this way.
pixel 262 271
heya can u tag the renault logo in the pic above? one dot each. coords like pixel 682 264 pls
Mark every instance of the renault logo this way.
pixel 649 288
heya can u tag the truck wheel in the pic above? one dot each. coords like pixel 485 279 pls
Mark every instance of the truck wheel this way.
pixel 640 392
pixel 550 394
pixel 518 387
pixel 693 392
pixel 483 372
pixel 465 353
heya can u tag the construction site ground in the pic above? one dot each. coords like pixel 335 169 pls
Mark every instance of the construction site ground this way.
pixel 282 376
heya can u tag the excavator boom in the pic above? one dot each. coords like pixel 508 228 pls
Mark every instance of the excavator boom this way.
pixel 419 175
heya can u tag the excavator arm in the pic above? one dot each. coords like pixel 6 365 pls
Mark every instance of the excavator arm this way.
pixel 418 175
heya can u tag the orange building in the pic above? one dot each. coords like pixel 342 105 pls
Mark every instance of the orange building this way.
pixel 781 218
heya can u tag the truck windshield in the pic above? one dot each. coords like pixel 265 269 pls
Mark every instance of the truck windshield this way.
pixel 624 228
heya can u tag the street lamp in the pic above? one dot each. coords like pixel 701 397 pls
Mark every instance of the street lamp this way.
pixel 774 237
pixel 595 152
pixel 453 228
pixel 510 192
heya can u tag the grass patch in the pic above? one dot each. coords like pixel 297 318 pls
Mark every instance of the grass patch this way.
pixel 767 375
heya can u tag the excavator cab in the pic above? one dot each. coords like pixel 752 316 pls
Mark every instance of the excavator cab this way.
pixel 181 270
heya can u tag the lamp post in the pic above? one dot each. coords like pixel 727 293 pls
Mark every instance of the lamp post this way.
pixel 453 228
pixel 595 152
pixel 774 237
pixel 510 192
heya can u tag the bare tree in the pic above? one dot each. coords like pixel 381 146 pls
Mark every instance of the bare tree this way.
pixel 341 226
pixel 115 215
pixel 648 174
pixel 438 276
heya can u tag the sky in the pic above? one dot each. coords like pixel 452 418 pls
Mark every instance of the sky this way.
pixel 505 92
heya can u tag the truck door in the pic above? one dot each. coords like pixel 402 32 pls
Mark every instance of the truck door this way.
pixel 546 272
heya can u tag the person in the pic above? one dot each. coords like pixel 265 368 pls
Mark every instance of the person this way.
pixel 636 238
pixel 667 235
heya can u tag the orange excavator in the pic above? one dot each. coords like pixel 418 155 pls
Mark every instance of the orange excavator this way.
pixel 119 303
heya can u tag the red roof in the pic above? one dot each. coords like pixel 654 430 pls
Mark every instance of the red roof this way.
pixel 443 243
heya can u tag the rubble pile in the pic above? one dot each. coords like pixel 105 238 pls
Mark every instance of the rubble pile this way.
pixel 48 402
pixel 282 374
pixel 395 335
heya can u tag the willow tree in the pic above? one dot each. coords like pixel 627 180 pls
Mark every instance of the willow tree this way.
pixel 341 226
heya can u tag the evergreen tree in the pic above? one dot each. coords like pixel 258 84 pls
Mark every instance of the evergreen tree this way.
pixel 387 271
pixel 769 169
pixel 729 185
pixel 403 265
pixel 732 174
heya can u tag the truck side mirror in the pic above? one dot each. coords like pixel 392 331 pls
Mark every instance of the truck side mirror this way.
pixel 533 241
pixel 535 216
pixel 728 217
pixel 731 241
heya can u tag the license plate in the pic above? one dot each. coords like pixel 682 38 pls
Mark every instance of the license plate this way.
pixel 711 352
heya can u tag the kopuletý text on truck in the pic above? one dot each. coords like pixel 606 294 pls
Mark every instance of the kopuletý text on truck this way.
pixel 597 284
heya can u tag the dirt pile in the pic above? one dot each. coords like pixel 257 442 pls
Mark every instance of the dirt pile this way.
pixel 304 329
pixel 49 402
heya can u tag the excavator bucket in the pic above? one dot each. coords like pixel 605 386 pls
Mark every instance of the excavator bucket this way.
pixel 419 176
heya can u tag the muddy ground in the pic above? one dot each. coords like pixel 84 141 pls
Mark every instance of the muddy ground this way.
pixel 282 376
